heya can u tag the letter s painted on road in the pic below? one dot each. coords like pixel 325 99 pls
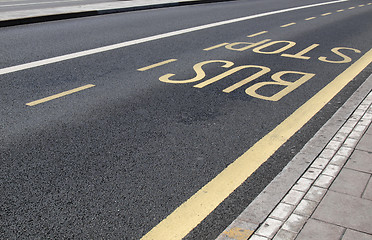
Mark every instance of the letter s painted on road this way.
pixel 200 74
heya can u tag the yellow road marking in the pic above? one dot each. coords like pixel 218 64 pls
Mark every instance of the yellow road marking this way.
pixel 62 94
pixel 310 18
pixel 187 216
pixel 256 34
pixel 351 7
pixel 287 25
pixel 325 14
pixel 156 65
pixel 341 10
pixel 216 46
pixel 361 5
pixel 238 233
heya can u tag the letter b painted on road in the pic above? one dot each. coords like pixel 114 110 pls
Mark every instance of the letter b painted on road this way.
pixel 277 77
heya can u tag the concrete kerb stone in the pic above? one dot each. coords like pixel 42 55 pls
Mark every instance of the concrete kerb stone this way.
pixel 52 14
pixel 272 197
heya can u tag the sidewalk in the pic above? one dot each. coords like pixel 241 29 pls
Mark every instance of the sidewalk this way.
pixel 12 18
pixel 332 200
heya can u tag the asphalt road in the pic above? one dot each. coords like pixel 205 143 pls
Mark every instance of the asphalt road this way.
pixel 116 158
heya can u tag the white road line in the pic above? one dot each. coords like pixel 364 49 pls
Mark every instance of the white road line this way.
pixel 148 39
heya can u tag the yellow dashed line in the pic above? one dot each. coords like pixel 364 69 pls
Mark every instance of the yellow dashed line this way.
pixel 325 14
pixel 362 5
pixel 351 7
pixel 216 46
pixel 156 65
pixel 310 18
pixel 287 25
pixel 256 34
pixel 59 95
pixel 341 10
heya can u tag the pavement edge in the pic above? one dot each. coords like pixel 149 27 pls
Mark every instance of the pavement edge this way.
pixel 89 13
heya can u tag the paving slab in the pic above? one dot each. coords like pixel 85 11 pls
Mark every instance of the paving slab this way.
pixel 351 182
pixel 317 230
pixel 360 161
pixel 345 210
pixel 368 191
pixel 354 235
pixel 365 143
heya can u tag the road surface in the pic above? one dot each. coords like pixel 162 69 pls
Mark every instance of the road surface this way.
pixel 124 125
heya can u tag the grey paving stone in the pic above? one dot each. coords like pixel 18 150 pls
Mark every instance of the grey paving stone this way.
pixel 340 136
pixel 345 210
pixel 350 182
pixel 356 116
pixel 365 120
pixel 334 145
pixel 312 173
pixel 369 131
pixel 345 130
pixel 293 197
pixel 327 153
pixel 345 151
pixel 303 184
pixel 339 160
pixel 320 163
pixel 354 235
pixel 294 223
pixel 360 161
pixel 355 135
pixel 360 111
pixel 323 181
pixel 315 194
pixel 350 142
pixel 282 211
pixel 368 192
pixel 365 143
pixel 269 228
pixel 305 208
pixel 351 123
pixel 317 230
pixel 360 128
pixel 256 237
pixel 331 170
pixel 285 235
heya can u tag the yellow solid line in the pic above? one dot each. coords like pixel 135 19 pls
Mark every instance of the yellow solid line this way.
pixel 59 95
pixel 256 34
pixel 351 7
pixel 287 25
pixel 310 18
pixel 187 216
pixel 156 65
pixel 325 14
pixel 341 10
